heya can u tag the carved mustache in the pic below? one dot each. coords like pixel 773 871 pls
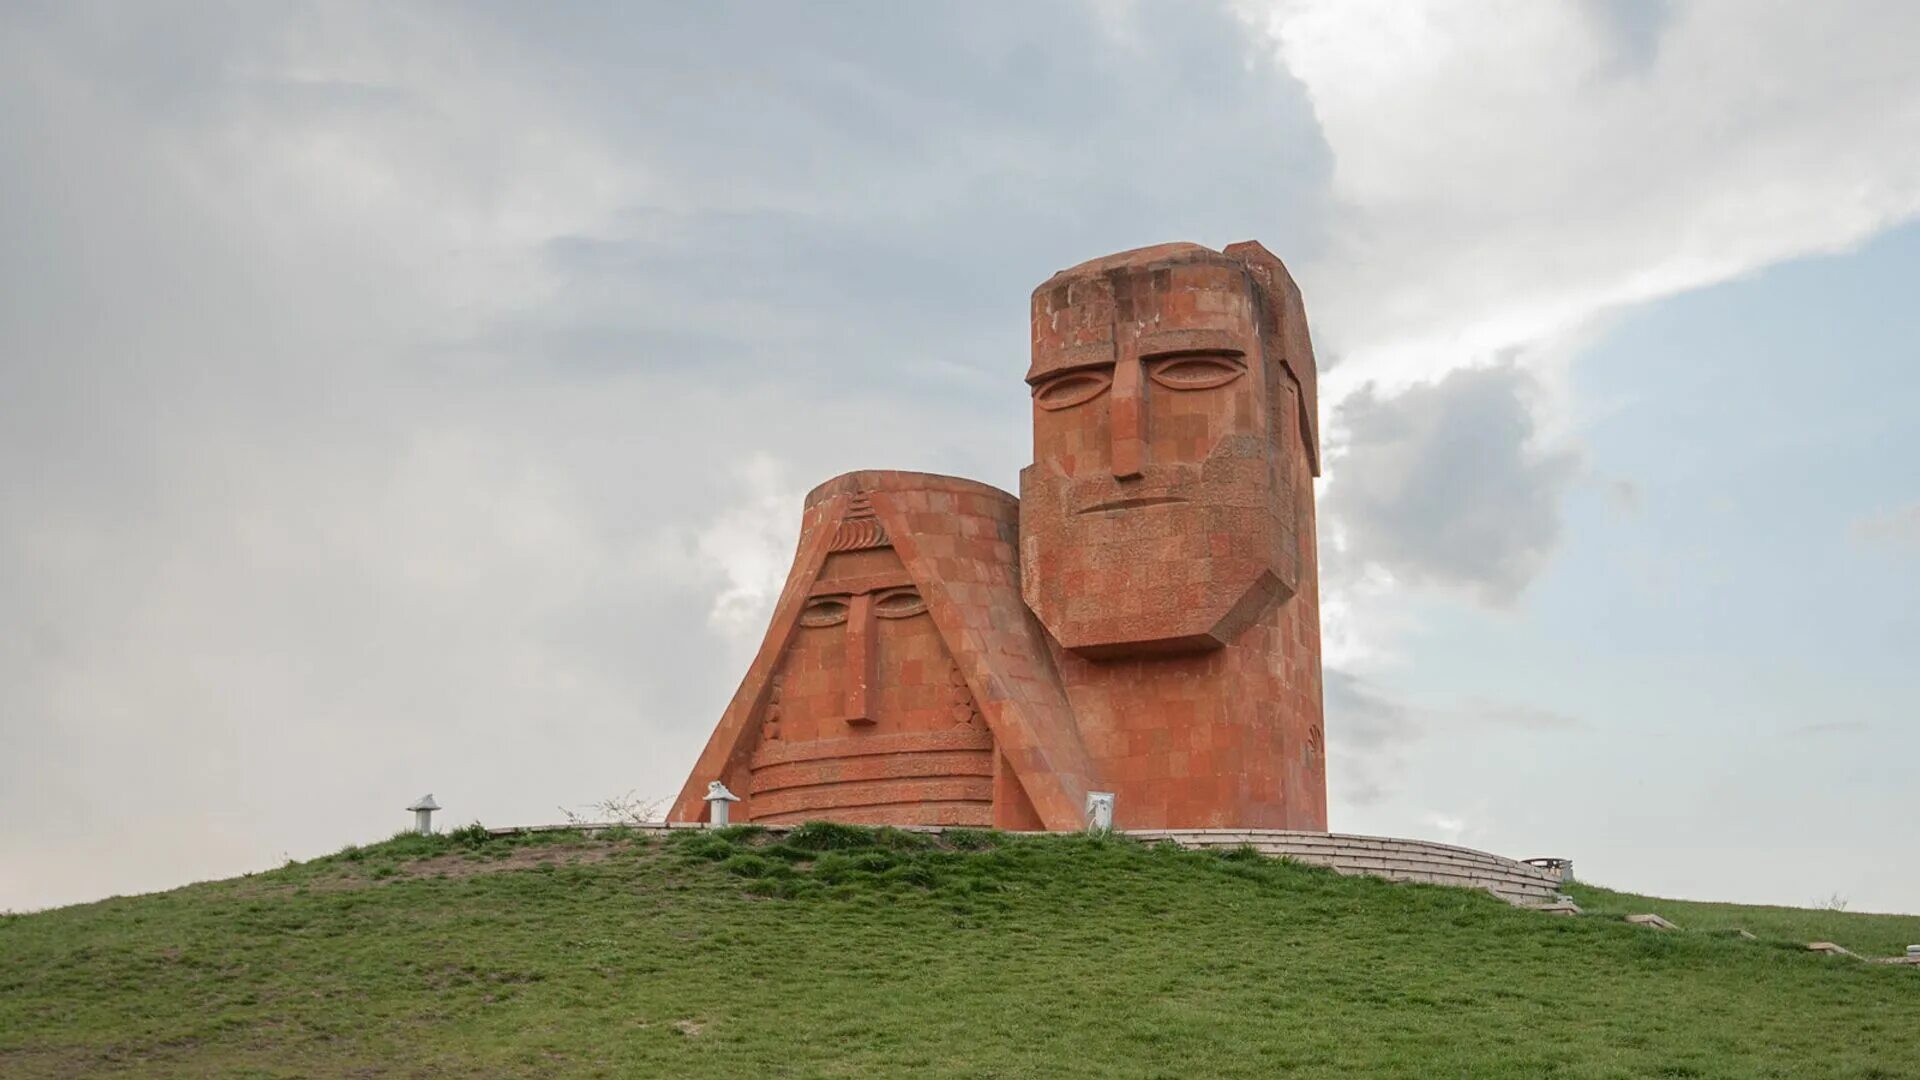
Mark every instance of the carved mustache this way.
pixel 1158 485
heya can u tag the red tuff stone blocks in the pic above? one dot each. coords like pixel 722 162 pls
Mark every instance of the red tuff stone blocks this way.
pixel 1167 534
pixel 902 681
pixel 1143 620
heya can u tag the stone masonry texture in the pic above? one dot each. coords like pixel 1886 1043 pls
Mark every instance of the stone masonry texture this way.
pixel 1143 620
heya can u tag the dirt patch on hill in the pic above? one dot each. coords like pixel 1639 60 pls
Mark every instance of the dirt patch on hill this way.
pixel 452 865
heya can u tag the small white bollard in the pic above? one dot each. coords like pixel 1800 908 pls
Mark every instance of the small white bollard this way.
pixel 718 803
pixel 1099 811
pixel 423 814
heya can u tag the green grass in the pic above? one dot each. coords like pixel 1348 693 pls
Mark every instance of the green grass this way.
pixel 1868 935
pixel 841 952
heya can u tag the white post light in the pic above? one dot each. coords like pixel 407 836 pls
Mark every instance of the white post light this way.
pixel 1099 811
pixel 718 798
pixel 423 814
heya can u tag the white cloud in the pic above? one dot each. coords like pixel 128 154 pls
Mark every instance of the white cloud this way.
pixel 751 544
pixel 1443 484
pixel 1449 826
pixel 1506 174
pixel 280 542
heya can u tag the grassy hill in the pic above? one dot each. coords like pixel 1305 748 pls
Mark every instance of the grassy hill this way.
pixel 840 952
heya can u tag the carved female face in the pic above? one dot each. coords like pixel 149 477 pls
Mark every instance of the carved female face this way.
pixel 1152 517
pixel 863 623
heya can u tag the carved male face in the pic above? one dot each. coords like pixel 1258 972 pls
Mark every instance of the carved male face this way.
pixel 1158 514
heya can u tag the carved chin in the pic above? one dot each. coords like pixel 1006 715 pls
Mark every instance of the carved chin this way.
pixel 1158 620
pixel 1152 591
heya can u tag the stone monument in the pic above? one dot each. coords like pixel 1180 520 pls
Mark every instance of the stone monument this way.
pixel 1144 620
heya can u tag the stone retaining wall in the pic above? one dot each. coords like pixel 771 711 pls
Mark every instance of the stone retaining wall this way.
pixel 1381 856
pixel 1376 856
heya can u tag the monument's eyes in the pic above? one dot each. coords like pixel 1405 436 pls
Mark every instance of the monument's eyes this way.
pixel 1198 372
pixel 898 604
pixel 1073 388
pixel 824 611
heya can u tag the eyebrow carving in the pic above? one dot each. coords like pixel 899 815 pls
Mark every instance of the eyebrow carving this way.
pixel 1054 361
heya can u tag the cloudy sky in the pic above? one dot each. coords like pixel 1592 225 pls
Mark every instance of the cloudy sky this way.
pixel 398 398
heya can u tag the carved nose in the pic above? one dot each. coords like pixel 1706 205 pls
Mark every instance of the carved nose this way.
pixel 1127 415
pixel 859 672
